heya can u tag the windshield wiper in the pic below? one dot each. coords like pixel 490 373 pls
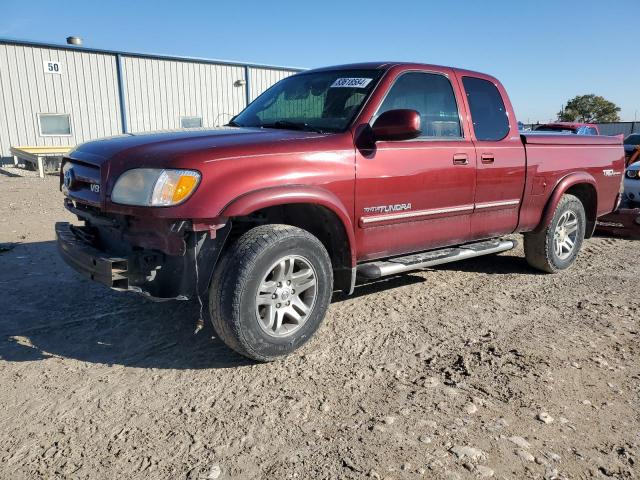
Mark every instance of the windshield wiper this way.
pixel 233 123
pixel 287 125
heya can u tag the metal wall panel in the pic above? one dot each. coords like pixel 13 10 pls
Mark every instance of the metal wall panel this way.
pixel 617 128
pixel 262 78
pixel 158 93
pixel 86 89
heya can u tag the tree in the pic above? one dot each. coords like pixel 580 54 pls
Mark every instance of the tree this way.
pixel 589 109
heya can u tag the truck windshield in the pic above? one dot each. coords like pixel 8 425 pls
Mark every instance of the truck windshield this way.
pixel 318 101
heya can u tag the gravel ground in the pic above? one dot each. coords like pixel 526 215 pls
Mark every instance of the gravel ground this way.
pixel 478 369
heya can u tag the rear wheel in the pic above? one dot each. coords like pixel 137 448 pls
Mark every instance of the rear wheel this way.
pixel 556 247
pixel 271 291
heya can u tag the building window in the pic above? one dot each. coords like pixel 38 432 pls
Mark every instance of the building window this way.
pixel 191 122
pixel 55 124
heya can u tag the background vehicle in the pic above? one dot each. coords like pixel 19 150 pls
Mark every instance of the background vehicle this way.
pixel 332 175
pixel 631 144
pixel 632 184
pixel 569 127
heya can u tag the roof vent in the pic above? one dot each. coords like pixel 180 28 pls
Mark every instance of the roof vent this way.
pixel 74 41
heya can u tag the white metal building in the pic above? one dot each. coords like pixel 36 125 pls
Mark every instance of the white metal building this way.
pixel 58 95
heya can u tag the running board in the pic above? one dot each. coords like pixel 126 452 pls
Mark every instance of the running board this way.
pixel 435 257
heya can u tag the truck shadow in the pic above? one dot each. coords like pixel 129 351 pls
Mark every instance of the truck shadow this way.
pixel 50 311
pixel 493 264
pixel 368 287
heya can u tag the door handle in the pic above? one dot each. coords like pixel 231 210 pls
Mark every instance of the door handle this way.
pixel 487 158
pixel 460 159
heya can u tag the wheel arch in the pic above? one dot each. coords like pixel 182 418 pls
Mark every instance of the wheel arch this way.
pixel 583 186
pixel 316 210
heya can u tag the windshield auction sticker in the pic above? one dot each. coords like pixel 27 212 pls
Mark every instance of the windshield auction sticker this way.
pixel 351 82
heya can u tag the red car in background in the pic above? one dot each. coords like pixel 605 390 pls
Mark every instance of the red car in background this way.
pixel 569 127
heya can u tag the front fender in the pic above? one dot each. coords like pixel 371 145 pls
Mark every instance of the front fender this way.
pixel 564 184
pixel 273 196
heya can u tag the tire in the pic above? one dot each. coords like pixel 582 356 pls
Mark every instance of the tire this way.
pixel 541 248
pixel 244 312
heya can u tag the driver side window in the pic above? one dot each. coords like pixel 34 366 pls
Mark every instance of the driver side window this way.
pixel 431 95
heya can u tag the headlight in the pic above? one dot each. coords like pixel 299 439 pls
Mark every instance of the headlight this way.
pixel 152 187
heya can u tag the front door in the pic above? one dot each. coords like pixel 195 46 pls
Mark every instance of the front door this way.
pixel 417 194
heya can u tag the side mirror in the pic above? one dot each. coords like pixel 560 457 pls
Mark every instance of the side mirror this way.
pixel 401 124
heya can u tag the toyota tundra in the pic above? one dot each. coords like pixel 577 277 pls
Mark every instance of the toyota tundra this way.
pixel 331 177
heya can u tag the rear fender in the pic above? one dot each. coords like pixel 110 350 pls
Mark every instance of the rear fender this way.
pixel 271 197
pixel 576 178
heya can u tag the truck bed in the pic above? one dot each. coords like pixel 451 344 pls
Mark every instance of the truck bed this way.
pixel 550 158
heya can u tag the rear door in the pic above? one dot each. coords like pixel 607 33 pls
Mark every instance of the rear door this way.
pixel 416 194
pixel 500 173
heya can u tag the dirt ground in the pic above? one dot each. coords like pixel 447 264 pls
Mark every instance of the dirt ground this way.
pixel 478 369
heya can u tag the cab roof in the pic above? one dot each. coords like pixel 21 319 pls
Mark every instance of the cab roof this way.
pixel 388 65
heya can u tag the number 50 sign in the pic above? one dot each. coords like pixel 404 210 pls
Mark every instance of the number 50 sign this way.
pixel 52 67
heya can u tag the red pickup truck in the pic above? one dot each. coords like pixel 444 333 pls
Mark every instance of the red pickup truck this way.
pixel 331 176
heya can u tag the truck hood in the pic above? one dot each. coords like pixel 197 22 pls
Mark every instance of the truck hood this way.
pixel 232 161
pixel 183 148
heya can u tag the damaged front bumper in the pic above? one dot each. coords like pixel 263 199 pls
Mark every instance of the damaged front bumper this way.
pixel 152 273
pixel 91 262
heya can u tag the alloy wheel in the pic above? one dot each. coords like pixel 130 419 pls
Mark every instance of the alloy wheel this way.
pixel 286 296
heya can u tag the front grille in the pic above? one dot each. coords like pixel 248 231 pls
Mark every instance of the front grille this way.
pixel 81 181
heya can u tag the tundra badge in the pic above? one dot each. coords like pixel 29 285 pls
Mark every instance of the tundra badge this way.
pixel 399 207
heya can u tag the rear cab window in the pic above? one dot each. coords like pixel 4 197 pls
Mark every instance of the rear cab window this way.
pixel 488 112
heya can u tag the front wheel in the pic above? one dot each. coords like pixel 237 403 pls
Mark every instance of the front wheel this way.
pixel 556 247
pixel 271 291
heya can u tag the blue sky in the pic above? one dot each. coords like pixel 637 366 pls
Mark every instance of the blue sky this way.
pixel 545 52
